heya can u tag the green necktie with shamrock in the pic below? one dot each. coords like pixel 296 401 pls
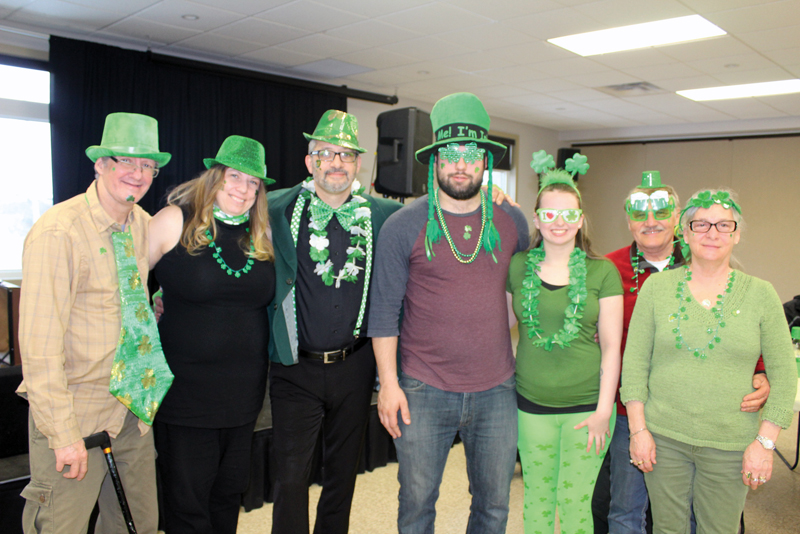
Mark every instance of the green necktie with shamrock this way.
pixel 140 376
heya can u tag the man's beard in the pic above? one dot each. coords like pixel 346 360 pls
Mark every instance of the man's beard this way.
pixel 465 192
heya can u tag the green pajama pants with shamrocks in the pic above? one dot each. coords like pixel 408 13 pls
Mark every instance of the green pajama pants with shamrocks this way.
pixel 557 471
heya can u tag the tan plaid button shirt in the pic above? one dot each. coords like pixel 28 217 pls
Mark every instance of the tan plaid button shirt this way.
pixel 70 318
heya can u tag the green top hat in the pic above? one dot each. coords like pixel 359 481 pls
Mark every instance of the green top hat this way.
pixel 337 128
pixel 243 154
pixel 460 118
pixel 651 180
pixel 129 134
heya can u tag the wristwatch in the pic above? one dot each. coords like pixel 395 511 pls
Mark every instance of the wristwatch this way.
pixel 766 442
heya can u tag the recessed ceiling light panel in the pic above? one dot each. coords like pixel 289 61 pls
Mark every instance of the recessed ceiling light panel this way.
pixel 782 87
pixel 660 32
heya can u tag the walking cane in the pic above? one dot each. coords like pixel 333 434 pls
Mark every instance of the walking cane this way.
pixel 102 440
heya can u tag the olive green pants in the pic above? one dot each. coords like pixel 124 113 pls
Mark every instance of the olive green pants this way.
pixel 685 476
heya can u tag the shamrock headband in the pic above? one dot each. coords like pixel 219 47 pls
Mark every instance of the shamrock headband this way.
pixel 543 164
pixel 705 199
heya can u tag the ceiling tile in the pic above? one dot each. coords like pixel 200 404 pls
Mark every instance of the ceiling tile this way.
pixel 583 95
pixel 260 31
pixel 731 64
pixel 513 75
pixel 711 6
pixel 725 45
pixel 789 104
pixel 555 23
pixel 149 31
pixel 567 67
pixel 320 44
pixel 376 59
pixel 681 84
pixel 370 33
pixel 767 40
pixel 278 57
pixel 490 36
pixel 633 58
pixel 171 12
pixel 311 16
pixel 424 70
pixel 535 101
pixel 244 7
pixel 506 9
pixel 128 6
pixel 218 45
pixel 426 48
pixel 57 14
pixel 649 73
pixel 502 91
pixel 615 13
pixel 758 17
pixel 477 61
pixel 376 8
pixel 746 108
pixel 550 85
pixel 534 52
pixel 434 18
pixel 601 79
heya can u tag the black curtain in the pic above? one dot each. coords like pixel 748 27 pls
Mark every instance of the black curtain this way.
pixel 196 110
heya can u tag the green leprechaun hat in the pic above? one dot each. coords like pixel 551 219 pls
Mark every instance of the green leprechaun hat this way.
pixel 243 154
pixel 460 118
pixel 651 180
pixel 337 128
pixel 132 135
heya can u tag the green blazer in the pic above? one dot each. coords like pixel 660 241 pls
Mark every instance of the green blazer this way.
pixel 282 323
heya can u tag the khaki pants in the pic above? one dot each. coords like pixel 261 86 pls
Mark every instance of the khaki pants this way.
pixel 55 504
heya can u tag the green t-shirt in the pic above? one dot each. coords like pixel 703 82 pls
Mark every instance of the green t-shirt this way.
pixel 567 376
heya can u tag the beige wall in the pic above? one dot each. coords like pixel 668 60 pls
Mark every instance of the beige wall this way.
pixel 762 171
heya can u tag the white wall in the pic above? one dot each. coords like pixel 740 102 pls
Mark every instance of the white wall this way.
pixel 531 139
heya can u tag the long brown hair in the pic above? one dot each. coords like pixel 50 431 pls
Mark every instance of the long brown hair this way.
pixel 197 198
pixel 582 237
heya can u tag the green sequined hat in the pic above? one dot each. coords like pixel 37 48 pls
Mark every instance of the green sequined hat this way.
pixel 243 154
pixel 132 135
pixel 460 118
pixel 651 180
pixel 337 128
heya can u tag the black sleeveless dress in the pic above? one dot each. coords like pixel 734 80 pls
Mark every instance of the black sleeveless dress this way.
pixel 215 333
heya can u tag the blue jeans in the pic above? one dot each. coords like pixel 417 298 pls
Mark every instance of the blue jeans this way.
pixel 629 501
pixel 487 424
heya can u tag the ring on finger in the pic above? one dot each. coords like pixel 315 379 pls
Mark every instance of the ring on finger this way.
pixel 762 480
pixel 639 462
pixel 632 462
pixel 748 475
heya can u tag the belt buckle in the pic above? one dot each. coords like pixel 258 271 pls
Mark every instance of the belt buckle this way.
pixel 332 356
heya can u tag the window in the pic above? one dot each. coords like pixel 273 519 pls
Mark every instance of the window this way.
pixel 26 179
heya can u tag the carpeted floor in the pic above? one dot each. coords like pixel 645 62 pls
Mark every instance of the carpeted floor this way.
pixel 773 509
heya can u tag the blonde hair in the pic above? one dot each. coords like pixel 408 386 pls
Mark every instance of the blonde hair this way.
pixel 196 197
pixel 582 237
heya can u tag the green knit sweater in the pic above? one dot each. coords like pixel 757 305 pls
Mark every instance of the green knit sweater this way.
pixel 697 401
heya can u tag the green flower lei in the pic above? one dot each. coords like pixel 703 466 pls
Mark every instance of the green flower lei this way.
pixel 531 285
pixel 635 259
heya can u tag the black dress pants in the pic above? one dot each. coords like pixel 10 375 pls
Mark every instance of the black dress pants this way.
pixel 308 398
pixel 204 472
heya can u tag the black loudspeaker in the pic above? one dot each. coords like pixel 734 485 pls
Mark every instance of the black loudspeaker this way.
pixel 564 154
pixel 401 132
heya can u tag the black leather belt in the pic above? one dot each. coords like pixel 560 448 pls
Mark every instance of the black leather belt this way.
pixel 334 355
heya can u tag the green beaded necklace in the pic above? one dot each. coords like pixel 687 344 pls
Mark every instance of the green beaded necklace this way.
pixel 717 310
pixel 638 270
pixel 217 255
pixel 460 256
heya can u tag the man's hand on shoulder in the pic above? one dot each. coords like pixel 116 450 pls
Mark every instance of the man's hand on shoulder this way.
pixel 76 457
pixel 391 399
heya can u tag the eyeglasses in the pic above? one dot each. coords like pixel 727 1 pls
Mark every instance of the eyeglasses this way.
pixel 328 155
pixel 130 166
pixel 723 227
pixel 661 206
pixel 570 215
pixel 452 153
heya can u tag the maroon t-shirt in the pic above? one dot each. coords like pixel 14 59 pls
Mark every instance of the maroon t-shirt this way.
pixel 454 333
